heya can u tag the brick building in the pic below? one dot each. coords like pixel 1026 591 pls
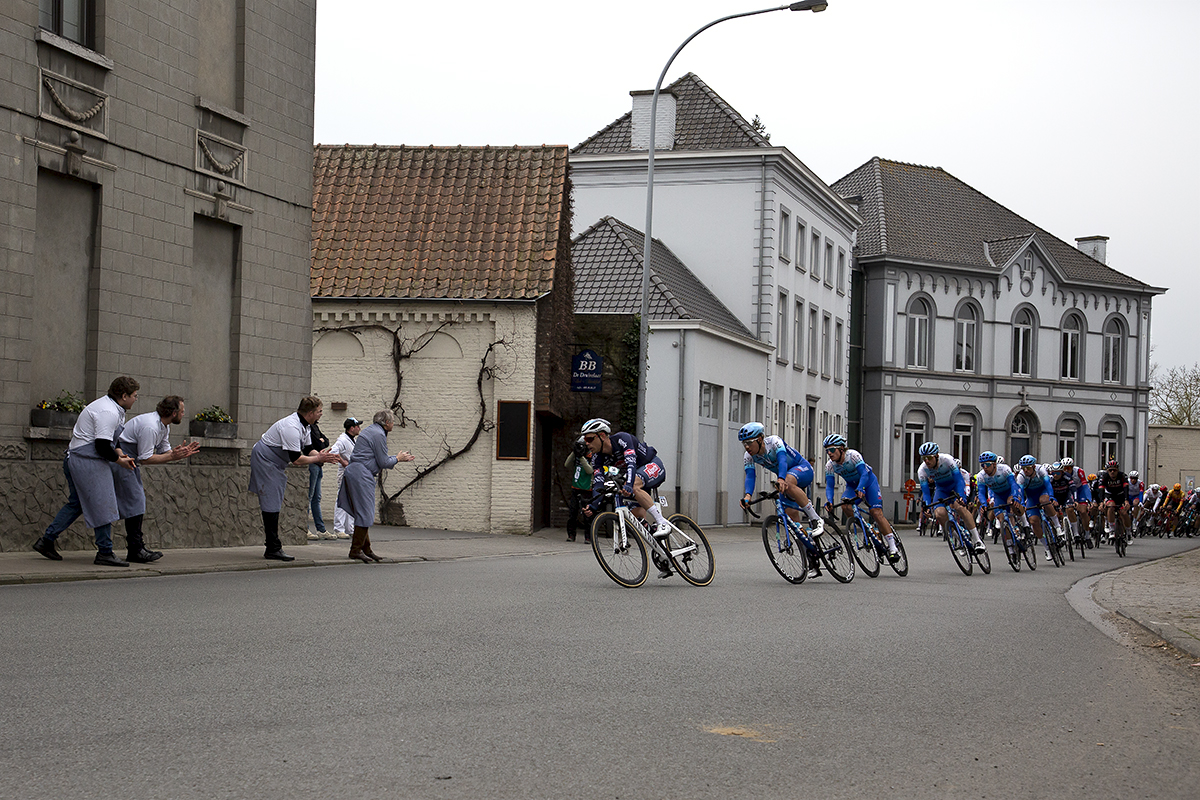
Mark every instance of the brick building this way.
pixel 155 182
pixel 441 288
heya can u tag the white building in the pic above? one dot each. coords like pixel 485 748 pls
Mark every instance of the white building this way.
pixel 773 244
pixel 982 331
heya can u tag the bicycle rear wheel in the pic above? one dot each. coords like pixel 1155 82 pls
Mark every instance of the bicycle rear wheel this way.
pixel 836 551
pixel 696 564
pixel 623 561
pixel 900 565
pixel 787 555
pixel 960 548
pixel 864 548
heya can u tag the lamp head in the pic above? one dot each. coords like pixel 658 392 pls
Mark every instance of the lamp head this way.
pixel 809 5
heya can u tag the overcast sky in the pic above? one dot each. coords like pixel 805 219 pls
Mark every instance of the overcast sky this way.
pixel 1080 115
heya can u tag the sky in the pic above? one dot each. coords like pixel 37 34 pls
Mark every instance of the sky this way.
pixel 1082 116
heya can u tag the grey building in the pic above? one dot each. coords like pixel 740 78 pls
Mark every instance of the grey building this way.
pixel 156 191
pixel 979 330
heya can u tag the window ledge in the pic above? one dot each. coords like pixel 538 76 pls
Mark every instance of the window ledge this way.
pixel 224 111
pixel 74 48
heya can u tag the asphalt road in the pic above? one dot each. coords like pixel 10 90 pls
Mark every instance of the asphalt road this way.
pixel 538 677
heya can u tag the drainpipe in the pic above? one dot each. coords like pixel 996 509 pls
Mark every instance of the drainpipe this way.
pixel 679 430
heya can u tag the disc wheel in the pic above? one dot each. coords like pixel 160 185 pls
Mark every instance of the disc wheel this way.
pixel 790 558
pixel 623 561
pixel 690 551
pixel 900 565
pixel 959 548
pixel 836 551
pixel 864 549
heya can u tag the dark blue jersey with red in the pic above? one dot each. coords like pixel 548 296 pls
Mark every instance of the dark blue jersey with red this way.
pixel 627 451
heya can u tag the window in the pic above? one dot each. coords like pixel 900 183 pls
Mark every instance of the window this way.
pixel 512 430
pixel 964 440
pixel 838 358
pixel 798 437
pixel 801 241
pixel 70 19
pixel 739 407
pixel 1027 265
pixel 1022 343
pixel 1068 439
pixel 785 234
pixel 829 263
pixel 781 325
pixel 1021 434
pixel 841 273
pixel 812 338
pixel 825 354
pixel 781 410
pixel 814 255
pixel 1110 439
pixel 918 334
pixel 798 335
pixel 964 339
pixel 1069 357
pixel 914 436
pixel 709 401
pixel 1113 336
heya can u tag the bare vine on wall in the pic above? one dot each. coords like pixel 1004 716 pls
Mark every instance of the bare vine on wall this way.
pixel 390 508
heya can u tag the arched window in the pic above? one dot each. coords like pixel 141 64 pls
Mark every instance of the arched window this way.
pixel 1022 343
pixel 1022 434
pixel 1072 330
pixel 1110 442
pixel 1114 336
pixel 920 318
pixel 916 425
pixel 965 326
pixel 1068 439
pixel 964 440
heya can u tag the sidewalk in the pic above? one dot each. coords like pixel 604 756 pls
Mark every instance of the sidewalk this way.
pixel 1162 596
pixel 393 544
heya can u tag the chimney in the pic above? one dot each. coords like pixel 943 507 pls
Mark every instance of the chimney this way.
pixel 1094 246
pixel 664 133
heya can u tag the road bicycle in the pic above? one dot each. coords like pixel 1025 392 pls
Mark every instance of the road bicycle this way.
pixel 792 550
pixel 1120 537
pixel 869 548
pixel 1017 544
pixel 1055 540
pixel 960 541
pixel 620 541
pixel 1060 517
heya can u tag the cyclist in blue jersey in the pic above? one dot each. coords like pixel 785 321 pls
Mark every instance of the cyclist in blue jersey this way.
pixel 793 473
pixel 860 482
pixel 1034 482
pixel 997 485
pixel 940 479
pixel 1083 492
pixel 643 469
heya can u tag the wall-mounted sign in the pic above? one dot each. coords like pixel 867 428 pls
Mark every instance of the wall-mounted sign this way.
pixel 586 371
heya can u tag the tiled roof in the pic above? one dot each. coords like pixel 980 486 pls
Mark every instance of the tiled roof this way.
pixel 703 121
pixel 471 223
pixel 925 213
pixel 608 279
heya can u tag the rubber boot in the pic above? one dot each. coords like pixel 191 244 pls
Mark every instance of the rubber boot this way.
pixel 356 545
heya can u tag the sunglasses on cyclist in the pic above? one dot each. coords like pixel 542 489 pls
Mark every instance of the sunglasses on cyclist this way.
pixel 589 439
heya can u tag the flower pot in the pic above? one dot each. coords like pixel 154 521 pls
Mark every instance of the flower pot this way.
pixel 49 418
pixel 212 430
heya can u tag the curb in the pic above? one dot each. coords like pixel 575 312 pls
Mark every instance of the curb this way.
pixel 1167 631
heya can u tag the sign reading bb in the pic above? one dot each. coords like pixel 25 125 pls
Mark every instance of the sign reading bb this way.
pixel 586 371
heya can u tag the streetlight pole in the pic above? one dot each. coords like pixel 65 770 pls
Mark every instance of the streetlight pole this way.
pixel 644 328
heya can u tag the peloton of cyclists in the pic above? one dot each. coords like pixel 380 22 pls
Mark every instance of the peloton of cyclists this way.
pixel 793 473
pixel 940 479
pixel 860 482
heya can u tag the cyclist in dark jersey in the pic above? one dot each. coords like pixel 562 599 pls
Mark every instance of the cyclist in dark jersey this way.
pixel 642 466
pixel 1062 487
pixel 1115 485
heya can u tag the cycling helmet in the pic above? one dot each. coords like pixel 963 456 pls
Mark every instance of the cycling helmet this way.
pixel 1026 461
pixel 1178 487
pixel 1133 474
pixel 928 449
pixel 1068 462
pixel 1056 466
pixel 751 430
pixel 1112 464
pixel 834 440
pixel 988 457
pixel 1091 476
pixel 595 426
pixel 1154 487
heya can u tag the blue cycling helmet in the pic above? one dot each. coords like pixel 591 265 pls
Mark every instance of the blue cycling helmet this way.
pixel 929 449
pixel 1026 461
pixel 988 457
pixel 1056 466
pixel 751 430
pixel 834 440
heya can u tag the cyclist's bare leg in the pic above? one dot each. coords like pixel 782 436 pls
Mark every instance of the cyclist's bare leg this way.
pixel 645 501
pixel 798 496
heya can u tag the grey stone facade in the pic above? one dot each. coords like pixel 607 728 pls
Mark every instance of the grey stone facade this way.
pixel 156 192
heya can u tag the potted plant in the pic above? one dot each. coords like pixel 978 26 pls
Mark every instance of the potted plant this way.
pixel 61 412
pixel 213 422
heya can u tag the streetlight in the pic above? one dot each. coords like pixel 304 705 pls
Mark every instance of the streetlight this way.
pixel 644 328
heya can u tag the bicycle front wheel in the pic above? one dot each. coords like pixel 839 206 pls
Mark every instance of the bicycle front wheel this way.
pixel 900 565
pixel 1070 545
pixel 690 551
pixel 864 548
pixel 959 548
pixel 984 560
pixel 622 556
pixel 836 550
pixel 787 555
pixel 1030 551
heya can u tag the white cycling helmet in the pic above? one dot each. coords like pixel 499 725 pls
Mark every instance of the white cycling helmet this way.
pixel 1154 487
pixel 1067 462
pixel 595 426
pixel 1133 474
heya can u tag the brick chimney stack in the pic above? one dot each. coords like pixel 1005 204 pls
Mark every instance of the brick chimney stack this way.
pixel 1094 246
pixel 664 134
